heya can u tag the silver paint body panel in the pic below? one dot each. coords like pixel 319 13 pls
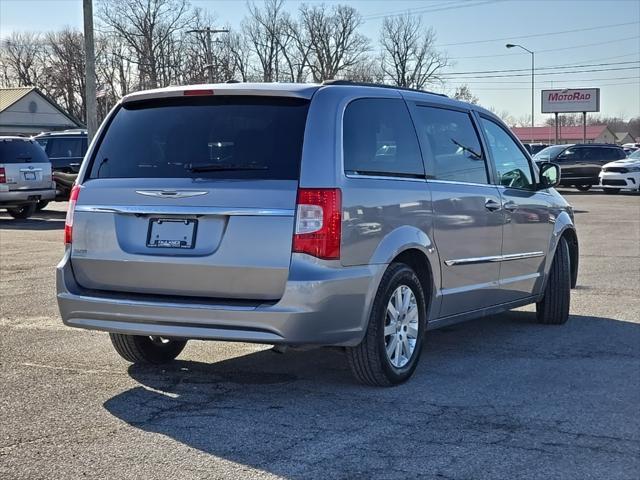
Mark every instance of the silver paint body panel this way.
pixel 245 284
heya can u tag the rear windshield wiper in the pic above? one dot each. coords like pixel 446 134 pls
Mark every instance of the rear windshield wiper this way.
pixel 222 167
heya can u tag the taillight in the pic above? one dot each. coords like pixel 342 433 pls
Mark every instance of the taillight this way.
pixel 68 223
pixel 3 175
pixel 197 93
pixel 318 222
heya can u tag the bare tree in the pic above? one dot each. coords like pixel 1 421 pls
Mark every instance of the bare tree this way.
pixel 336 45
pixel 265 30
pixel 152 30
pixel 463 92
pixel 409 57
pixel 366 70
pixel 22 58
pixel 64 77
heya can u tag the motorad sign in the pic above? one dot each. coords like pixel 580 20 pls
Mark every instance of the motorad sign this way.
pixel 571 101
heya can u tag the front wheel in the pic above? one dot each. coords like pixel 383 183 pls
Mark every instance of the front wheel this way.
pixel 553 309
pixel 142 349
pixel 389 353
pixel 25 211
pixel 583 188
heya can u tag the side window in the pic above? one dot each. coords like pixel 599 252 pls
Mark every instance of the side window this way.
pixel 456 154
pixel 379 139
pixel 65 147
pixel 512 165
pixel 571 154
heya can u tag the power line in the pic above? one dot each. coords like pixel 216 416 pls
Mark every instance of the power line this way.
pixel 428 10
pixel 553 67
pixel 526 88
pixel 549 73
pixel 527 82
pixel 534 35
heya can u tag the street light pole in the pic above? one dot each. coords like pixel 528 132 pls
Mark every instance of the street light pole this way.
pixel 533 66
pixel 209 50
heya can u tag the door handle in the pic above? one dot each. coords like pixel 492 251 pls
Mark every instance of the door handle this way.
pixel 491 205
pixel 510 206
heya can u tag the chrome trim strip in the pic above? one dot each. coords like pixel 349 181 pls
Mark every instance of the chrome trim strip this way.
pixel 455 182
pixel 184 210
pixel 171 193
pixel 521 256
pixel 384 177
pixel 493 258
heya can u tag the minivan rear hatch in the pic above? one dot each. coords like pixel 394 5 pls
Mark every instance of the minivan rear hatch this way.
pixel 192 196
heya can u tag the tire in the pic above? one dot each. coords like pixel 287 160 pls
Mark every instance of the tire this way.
pixel 553 309
pixel 149 350
pixel 611 191
pixel 369 360
pixel 22 212
pixel 42 204
pixel 583 188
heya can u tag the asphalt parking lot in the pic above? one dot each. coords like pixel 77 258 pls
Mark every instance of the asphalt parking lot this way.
pixel 496 398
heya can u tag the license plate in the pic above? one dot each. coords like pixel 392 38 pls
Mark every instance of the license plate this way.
pixel 172 233
pixel 29 175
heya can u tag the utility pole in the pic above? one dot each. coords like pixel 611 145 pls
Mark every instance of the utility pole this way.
pixel 209 50
pixel 90 70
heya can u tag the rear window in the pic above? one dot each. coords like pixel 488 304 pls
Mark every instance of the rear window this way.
pixel 66 147
pixel 204 137
pixel 21 151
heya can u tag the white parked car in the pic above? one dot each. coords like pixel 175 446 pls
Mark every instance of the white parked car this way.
pixel 621 174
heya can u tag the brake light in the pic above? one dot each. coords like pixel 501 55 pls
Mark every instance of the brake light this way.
pixel 68 223
pixel 318 222
pixel 197 93
pixel 3 175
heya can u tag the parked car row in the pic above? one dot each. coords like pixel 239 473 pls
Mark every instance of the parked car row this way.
pixel 584 166
pixel 35 171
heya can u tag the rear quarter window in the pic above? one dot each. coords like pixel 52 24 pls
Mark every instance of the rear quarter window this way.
pixel 379 139
pixel 21 151
pixel 205 137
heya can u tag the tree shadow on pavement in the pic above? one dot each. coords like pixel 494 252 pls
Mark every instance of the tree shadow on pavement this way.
pixel 497 398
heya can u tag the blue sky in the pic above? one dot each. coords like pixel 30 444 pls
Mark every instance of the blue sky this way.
pixel 473 33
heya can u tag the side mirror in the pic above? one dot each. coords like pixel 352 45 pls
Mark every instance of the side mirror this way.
pixel 549 175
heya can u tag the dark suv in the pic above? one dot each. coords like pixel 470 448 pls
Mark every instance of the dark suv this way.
pixel 580 164
pixel 65 150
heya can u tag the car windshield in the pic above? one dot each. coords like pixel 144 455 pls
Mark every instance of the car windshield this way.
pixel 549 152
pixel 635 155
pixel 223 137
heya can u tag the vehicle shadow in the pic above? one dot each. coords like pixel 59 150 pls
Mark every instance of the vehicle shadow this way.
pixel 484 390
pixel 41 220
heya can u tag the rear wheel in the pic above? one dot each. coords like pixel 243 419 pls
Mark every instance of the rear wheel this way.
pixel 389 353
pixel 142 349
pixel 553 309
pixel 611 191
pixel 42 204
pixel 583 188
pixel 25 211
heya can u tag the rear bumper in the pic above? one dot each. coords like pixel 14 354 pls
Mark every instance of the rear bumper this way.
pixel 629 180
pixel 20 197
pixel 321 305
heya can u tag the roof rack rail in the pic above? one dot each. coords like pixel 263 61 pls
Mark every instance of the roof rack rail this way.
pixel 379 85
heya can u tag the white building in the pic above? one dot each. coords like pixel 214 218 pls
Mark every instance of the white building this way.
pixel 27 111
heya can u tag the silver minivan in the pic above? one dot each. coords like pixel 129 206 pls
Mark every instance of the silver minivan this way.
pixel 25 176
pixel 339 214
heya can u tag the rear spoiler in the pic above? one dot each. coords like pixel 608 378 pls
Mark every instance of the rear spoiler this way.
pixel 305 91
